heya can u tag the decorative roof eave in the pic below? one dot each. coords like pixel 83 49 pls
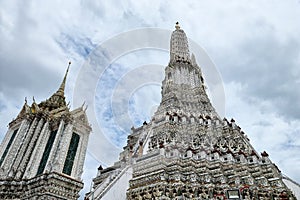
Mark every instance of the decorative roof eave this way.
pixel 25 109
pixel 79 114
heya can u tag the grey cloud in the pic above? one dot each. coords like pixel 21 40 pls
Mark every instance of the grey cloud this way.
pixel 131 18
pixel 2 105
pixel 24 70
pixel 18 79
pixel 96 7
pixel 268 69
pixel 262 123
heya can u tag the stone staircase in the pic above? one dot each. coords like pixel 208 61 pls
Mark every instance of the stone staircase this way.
pixel 108 183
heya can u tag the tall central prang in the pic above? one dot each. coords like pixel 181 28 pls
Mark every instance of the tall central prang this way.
pixel 187 151
pixel 183 89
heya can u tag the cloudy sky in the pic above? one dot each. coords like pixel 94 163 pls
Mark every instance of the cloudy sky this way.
pixel 255 46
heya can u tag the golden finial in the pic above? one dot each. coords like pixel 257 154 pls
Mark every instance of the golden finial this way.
pixel 177 26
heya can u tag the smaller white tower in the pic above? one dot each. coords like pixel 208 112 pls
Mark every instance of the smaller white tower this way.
pixel 42 154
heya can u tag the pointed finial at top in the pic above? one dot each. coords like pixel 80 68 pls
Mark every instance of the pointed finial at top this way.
pixel 177 26
pixel 67 70
pixel 61 89
pixel 25 100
